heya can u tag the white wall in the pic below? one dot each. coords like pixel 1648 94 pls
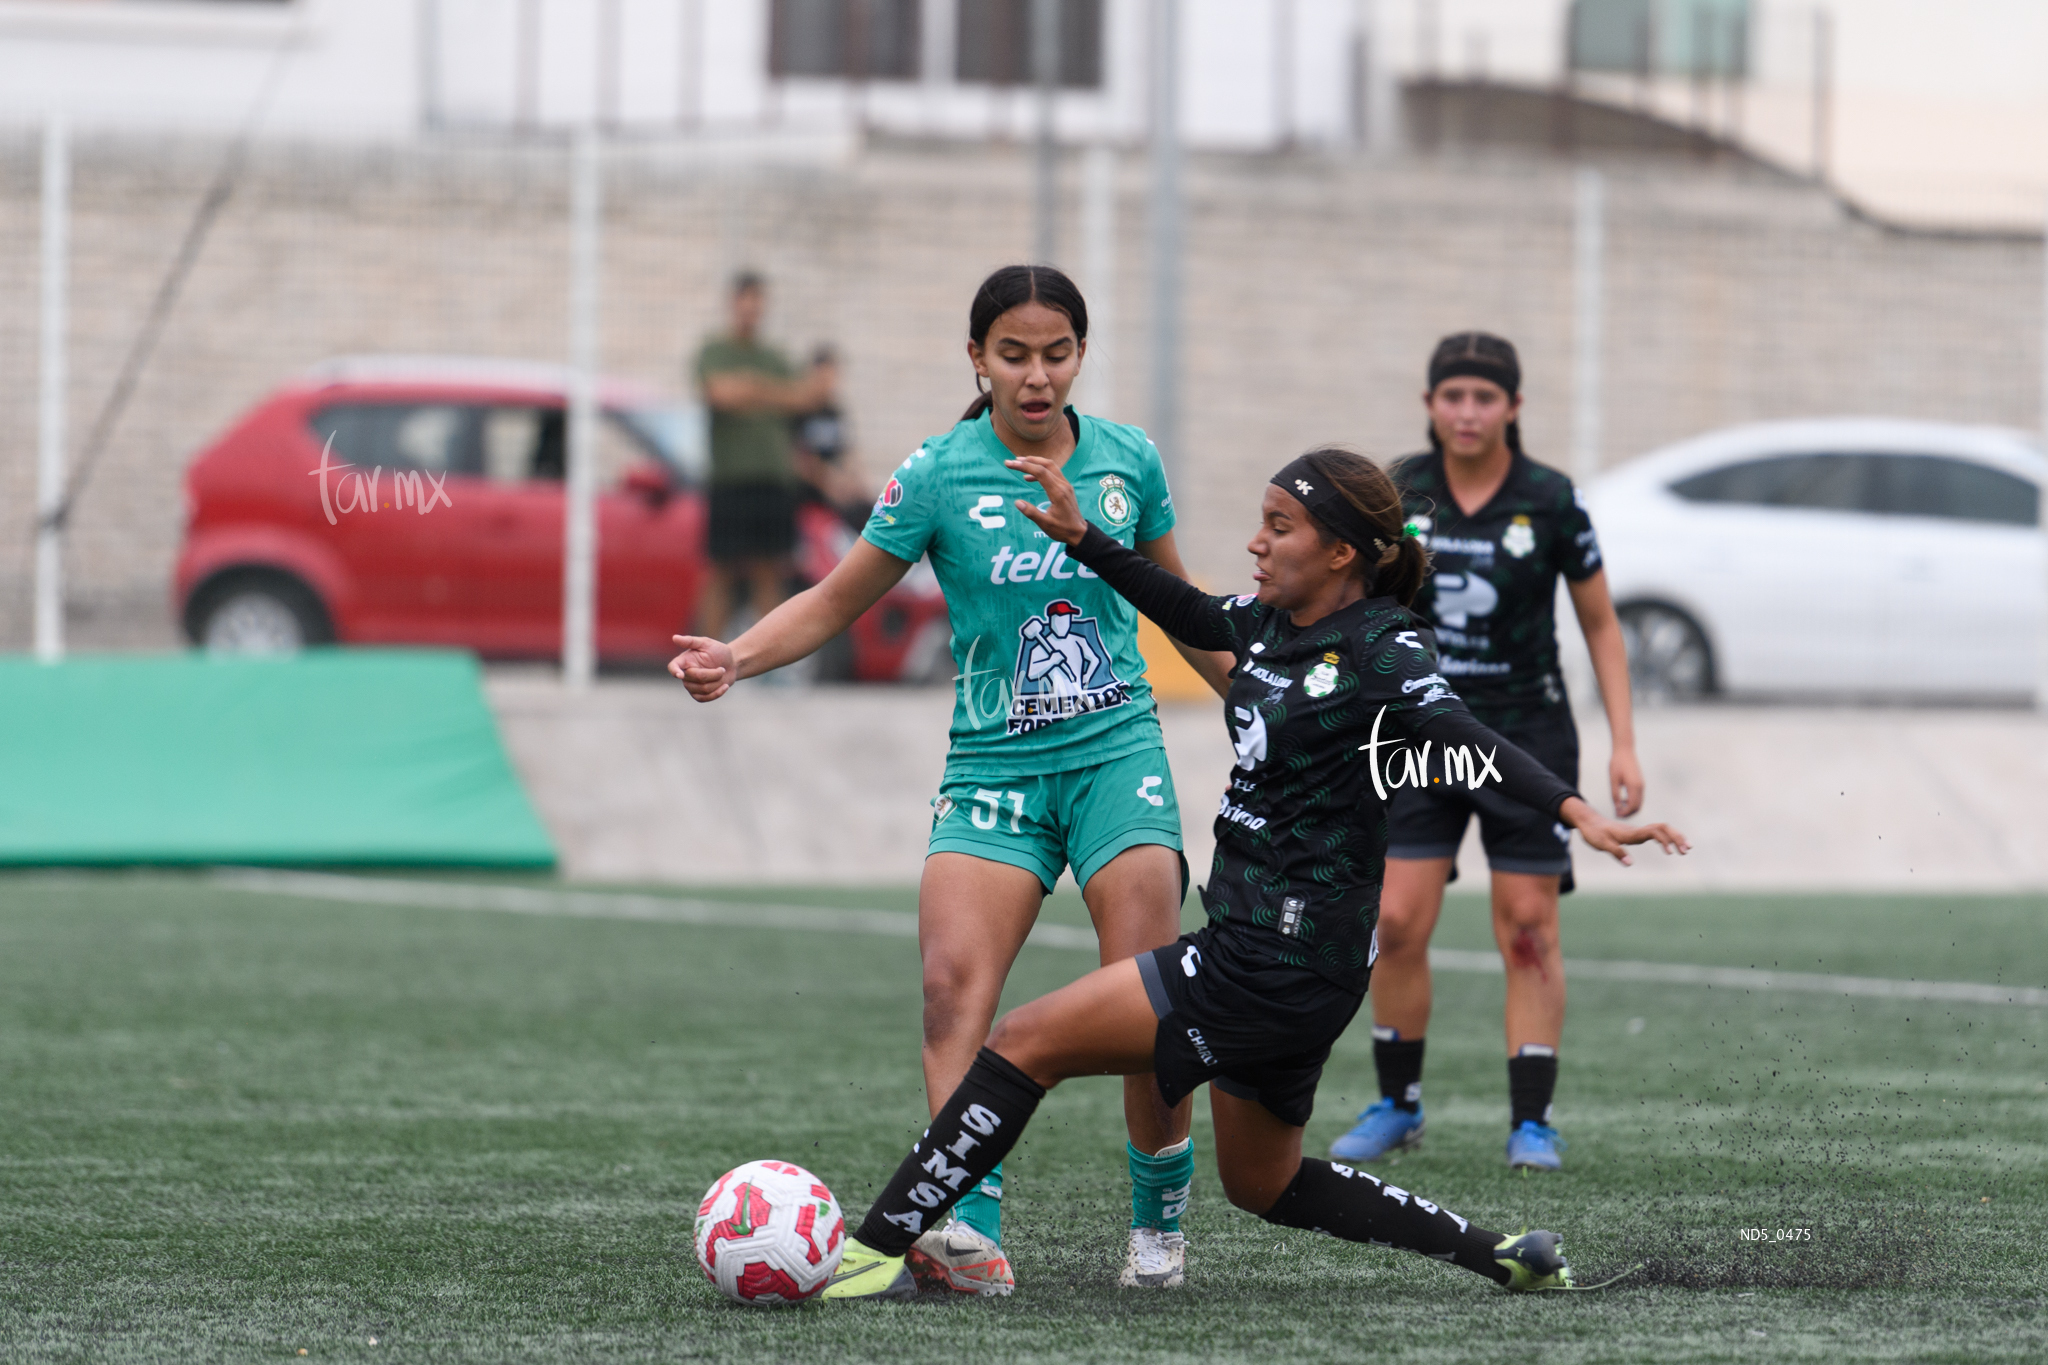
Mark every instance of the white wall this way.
pixel 1940 112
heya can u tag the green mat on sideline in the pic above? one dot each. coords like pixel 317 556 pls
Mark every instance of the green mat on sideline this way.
pixel 330 756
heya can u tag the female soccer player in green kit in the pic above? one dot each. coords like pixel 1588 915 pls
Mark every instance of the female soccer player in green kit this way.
pixel 1056 756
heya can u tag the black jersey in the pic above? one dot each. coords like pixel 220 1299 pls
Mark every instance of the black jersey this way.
pixel 1492 589
pixel 1328 721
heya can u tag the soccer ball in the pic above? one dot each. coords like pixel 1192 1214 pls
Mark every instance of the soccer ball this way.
pixel 769 1232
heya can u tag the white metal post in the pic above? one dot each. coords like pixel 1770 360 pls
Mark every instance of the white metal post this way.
pixel 579 532
pixel 1589 287
pixel 1166 229
pixel 49 593
pixel 1045 71
pixel 1098 278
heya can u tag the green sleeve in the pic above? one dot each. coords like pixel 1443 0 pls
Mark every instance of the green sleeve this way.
pixel 1155 509
pixel 906 515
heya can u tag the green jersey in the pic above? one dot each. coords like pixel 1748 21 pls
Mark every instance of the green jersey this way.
pixel 1049 677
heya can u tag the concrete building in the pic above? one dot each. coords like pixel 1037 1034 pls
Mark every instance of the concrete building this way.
pixel 1927 113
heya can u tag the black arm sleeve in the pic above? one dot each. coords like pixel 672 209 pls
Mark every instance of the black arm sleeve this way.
pixel 1181 609
pixel 1522 778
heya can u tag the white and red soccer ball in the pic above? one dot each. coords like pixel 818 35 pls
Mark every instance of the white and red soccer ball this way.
pixel 769 1232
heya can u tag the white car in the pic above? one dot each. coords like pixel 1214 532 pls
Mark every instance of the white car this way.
pixel 1846 556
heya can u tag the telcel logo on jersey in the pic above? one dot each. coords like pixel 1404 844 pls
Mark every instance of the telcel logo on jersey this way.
pixel 1033 566
pixel 1063 669
pixel 1467 763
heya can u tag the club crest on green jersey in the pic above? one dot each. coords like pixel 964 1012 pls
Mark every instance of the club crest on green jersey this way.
pixel 942 806
pixel 1322 679
pixel 1519 538
pixel 1115 503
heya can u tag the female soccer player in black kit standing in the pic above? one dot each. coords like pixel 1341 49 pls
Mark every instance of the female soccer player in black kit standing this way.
pixel 1336 700
pixel 1501 529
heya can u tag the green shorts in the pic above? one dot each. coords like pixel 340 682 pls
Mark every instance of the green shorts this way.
pixel 1042 823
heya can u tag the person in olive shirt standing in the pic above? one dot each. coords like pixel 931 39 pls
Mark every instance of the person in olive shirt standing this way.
pixel 1501 529
pixel 753 393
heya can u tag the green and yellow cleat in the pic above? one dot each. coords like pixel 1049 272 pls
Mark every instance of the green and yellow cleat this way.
pixel 1534 1261
pixel 865 1273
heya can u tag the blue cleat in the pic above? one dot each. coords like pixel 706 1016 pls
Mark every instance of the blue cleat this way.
pixel 1384 1127
pixel 1534 1147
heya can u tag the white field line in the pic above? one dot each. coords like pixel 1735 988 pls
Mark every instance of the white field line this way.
pixel 623 905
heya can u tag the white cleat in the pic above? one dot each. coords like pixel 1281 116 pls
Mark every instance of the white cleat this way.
pixel 955 1258
pixel 1158 1260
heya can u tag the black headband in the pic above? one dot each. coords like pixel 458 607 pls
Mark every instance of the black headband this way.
pixel 1509 377
pixel 1329 506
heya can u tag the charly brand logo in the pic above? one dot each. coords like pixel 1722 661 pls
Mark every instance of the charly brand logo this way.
pixel 1405 766
pixel 1115 503
pixel 355 491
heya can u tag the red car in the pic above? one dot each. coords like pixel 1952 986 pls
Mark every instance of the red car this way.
pixel 393 500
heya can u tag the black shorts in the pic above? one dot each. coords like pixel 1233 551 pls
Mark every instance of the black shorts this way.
pixel 1252 1027
pixel 751 521
pixel 1430 822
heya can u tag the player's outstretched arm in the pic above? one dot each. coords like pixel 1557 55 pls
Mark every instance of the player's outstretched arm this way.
pixel 1181 609
pixel 709 668
pixel 1613 837
pixel 1520 777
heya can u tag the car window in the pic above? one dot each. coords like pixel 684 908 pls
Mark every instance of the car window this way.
pixel 1962 490
pixel 1825 482
pixel 439 438
pixel 522 442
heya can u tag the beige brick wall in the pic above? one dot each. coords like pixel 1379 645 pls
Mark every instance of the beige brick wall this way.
pixel 1314 290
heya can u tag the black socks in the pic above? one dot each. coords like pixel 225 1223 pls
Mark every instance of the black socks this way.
pixel 1532 1080
pixel 969 1135
pixel 1399 1063
pixel 1359 1208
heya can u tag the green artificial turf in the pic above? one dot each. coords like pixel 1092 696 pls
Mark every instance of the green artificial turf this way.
pixel 234 1126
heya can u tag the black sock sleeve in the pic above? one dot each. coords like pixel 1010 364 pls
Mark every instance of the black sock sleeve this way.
pixel 974 1130
pixel 1361 1208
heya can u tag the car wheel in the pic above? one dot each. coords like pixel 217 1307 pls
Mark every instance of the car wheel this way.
pixel 257 613
pixel 1668 657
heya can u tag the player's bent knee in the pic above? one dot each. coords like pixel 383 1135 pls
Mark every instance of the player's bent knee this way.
pixel 1022 1046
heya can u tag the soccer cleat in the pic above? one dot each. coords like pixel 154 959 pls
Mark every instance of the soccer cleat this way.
pixel 1534 1147
pixel 865 1273
pixel 1534 1260
pixel 956 1258
pixel 1158 1260
pixel 1384 1127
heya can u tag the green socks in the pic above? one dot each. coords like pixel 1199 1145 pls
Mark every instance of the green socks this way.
pixel 1160 1185
pixel 981 1208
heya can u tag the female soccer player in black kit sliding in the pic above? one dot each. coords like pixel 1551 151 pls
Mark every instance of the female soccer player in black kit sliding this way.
pixel 1336 699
